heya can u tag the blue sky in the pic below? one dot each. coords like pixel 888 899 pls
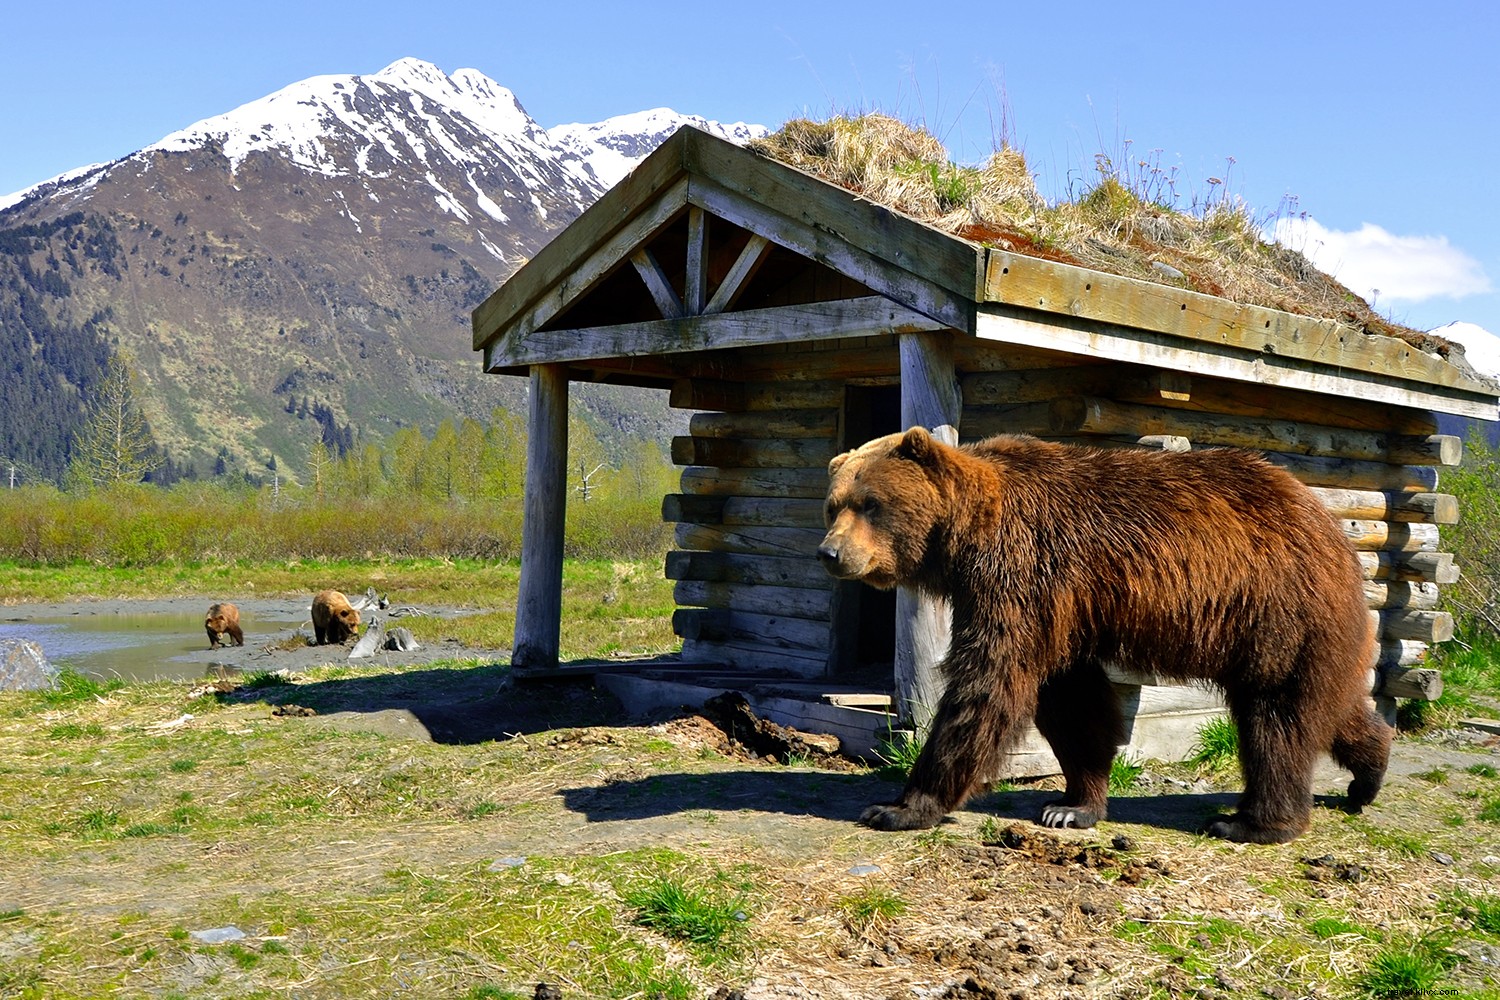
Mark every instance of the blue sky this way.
pixel 1378 122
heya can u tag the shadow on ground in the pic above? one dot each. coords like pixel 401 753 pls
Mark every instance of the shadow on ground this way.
pixel 457 705
pixel 843 797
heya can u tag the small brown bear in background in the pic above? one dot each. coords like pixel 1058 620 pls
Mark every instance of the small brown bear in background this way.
pixel 223 619
pixel 1209 565
pixel 334 619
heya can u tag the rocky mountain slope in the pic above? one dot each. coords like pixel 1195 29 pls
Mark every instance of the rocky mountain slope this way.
pixel 315 251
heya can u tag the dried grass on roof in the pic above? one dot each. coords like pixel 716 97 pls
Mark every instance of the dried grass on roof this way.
pixel 1125 223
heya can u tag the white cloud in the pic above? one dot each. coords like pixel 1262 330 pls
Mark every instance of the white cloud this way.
pixel 1481 347
pixel 1384 267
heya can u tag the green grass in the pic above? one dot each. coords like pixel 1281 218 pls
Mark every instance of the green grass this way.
pixel 1217 745
pixel 1124 774
pixel 1403 970
pixel 898 753
pixel 871 907
pixel 688 914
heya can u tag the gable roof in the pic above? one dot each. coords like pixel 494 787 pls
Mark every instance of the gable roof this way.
pixel 679 258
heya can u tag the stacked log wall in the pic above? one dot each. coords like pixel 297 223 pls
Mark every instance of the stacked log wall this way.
pixel 1375 467
pixel 750 591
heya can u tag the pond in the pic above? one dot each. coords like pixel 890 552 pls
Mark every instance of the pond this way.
pixel 141 646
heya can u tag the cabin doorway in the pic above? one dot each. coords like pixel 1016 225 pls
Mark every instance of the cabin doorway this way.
pixel 865 618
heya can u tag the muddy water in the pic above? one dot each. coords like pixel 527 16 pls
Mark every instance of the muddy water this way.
pixel 136 646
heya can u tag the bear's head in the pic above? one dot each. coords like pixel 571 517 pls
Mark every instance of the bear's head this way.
pixel 218 617
pixel 349 616
pixel 883 503
pixel 218 623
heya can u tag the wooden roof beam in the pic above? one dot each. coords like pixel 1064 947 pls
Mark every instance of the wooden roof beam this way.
pixel 815 321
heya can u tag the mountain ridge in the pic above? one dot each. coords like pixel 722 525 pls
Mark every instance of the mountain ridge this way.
pixel 318 249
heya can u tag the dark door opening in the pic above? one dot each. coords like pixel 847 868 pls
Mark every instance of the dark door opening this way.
pixel 865 618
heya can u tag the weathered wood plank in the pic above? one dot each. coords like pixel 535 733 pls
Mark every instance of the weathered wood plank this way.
pixel 794 602
pixel 695 283
pixel 1093 415
pixel 737 567
pixel 1395 536
pixel 798 542
pixel 775 632
pixel 1026 328
pixel 1408 623
pixel 1384 594
pixel 1430 567
pixel 1073 415
pixel 1388 505
pixel 930 398
pixel 813 321
pixel 1051 286
pixel 1211 395
pixel 739 275
pixel 753 453
pixel 1320 470
pixel 539 600
pixel 737 397
pixel 1421 683
pixel 807 483
pixel 662 293
pixel 765 511
pixel 756 659
pixel 1390 653
pixel 766 424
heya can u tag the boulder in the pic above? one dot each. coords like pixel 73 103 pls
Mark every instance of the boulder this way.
pixel 24 667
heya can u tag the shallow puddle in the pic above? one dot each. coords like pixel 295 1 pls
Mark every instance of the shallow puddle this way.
pixel 135 646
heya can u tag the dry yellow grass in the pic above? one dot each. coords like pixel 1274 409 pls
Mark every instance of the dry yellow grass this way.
pixel 1125 223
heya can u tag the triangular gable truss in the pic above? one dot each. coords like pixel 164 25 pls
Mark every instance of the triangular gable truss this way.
pixel 694 310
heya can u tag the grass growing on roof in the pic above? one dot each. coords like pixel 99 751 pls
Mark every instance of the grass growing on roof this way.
pixel 1129 219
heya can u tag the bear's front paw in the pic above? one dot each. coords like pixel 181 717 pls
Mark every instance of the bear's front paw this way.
pixel 1059 815
pixel 895 816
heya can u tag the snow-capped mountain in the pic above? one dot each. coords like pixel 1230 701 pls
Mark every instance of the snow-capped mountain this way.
pixel 612 147
pixel 322 245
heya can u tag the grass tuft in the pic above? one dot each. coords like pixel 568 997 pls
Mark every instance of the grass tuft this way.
pixel 1217 746
pixel 871 907
pixel 672 908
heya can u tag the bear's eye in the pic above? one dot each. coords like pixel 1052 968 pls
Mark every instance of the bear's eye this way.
pixel 869 505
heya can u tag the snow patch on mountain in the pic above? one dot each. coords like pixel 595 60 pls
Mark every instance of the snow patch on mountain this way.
pixel 50 184
pixel 613 147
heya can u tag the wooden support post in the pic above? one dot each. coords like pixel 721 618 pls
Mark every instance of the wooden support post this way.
pixel 930 397
pixel 539 603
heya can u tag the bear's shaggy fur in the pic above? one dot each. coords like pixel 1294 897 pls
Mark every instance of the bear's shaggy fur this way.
pixel 1057 559
pixel 334 619
pixel 223 619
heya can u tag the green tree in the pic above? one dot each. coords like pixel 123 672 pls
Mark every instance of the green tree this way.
pixel 115 444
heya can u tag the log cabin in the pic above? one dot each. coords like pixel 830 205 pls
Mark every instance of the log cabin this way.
pixel 795 319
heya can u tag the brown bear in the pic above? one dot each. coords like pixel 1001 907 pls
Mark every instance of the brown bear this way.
pixel 1056 559
pixel 223 619
pixel 334 619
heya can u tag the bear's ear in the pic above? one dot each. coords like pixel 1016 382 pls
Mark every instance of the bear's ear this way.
pixel 836 463
pixel 916 444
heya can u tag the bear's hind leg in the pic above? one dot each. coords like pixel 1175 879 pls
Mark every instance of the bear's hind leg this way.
pixel 1079 716
pixel 1276 758
pixel 1363 745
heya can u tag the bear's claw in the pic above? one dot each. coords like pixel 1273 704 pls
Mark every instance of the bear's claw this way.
pixel 1058 816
